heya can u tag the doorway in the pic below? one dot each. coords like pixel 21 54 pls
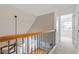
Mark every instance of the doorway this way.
pixel 66 28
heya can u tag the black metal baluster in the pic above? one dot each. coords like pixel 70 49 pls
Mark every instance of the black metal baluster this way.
pixel 54 38
pixel 1 47
pixel 40 40
pixel 22 45
pixel 31 43
pixel 45 39
pixel 1 50
pixel 8 46
pixel 16 46
pixel 34 43
pixel 27 45
pixel 37 42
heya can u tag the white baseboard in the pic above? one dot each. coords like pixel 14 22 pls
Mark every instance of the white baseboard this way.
pixel 53 49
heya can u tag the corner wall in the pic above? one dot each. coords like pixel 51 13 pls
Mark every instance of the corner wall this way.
pixel 43 23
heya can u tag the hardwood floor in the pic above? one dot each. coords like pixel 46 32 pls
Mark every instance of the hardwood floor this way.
pixel 39 51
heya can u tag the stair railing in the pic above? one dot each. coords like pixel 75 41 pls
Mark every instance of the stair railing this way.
pixel 29 43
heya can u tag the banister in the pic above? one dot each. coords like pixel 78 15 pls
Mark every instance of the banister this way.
pixel 14 37
pixel 26 43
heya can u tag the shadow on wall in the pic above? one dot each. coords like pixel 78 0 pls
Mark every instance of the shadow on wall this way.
pixel 43 23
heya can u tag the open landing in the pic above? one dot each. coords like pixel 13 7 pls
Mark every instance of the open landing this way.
pixel 65 47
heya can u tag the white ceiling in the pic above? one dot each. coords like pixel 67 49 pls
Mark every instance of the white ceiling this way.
pixel 40 9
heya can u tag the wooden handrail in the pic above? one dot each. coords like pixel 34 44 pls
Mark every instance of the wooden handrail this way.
pixel 14 37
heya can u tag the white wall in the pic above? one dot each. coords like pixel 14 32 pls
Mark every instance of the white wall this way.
pixel 67 11
pixel 57 25
pixel 7 20
pixel 25 21
pixel 43 23
pixel 76 27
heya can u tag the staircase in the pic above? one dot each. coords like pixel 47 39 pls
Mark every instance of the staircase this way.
pixel 8 49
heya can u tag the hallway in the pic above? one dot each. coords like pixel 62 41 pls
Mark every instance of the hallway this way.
pixel 65 47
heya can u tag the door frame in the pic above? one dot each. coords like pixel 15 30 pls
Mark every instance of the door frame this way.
pixel 73 24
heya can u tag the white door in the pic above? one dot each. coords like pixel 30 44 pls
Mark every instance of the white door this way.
pixel 75 29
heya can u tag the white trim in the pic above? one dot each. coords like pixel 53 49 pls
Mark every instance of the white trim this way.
pixel 59 28
pixel 50 31
pixel 52 50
